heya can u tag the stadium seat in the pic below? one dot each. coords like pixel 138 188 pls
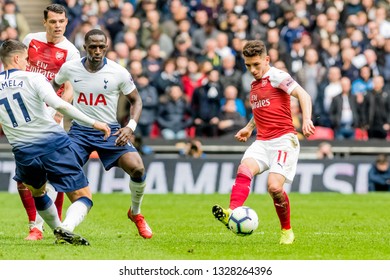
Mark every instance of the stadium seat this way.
pixel 322 133
pixel 155 133
pixel 361 134
pixel 191 132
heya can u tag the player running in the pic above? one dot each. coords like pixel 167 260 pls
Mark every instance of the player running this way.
pixel 47 51
pixel 276 147
pixel 97 83
pixel 40 146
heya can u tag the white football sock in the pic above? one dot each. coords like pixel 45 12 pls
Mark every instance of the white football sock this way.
pixel 38 220
pixel 51 192
pixel 75 214
pixel 50 216
pixel 137 194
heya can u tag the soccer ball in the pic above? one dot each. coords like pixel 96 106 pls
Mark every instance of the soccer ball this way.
pixel 243 221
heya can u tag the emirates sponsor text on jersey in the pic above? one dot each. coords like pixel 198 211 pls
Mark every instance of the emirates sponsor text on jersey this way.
pixel 259 103
pixel 47 73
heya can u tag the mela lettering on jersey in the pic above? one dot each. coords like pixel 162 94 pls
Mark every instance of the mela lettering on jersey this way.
pixel 92 100
pixel 10 84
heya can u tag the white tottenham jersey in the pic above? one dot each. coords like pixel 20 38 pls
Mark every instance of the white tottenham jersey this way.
pixel 97 94
pixel 23 114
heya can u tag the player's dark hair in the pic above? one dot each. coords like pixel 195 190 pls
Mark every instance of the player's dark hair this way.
pixel 381 159
pixel 10 47
pixel 55 8
pixel 254 48
pixel 94 32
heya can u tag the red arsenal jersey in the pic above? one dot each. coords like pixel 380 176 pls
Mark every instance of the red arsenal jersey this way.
pixel 270 101
pixel 47 58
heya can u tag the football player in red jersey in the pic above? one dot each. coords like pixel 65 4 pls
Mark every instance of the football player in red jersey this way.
pixel 47 51
pixel 276 148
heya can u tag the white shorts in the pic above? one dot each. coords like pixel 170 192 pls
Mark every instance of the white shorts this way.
pixel 279 155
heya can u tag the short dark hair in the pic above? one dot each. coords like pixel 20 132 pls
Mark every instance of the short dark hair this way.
pixel 55 8
pixel 94 32
pixel 381 158
pixel 254 48
pixel 10 47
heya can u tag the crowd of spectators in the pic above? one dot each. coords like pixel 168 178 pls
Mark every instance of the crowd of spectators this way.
pixel 185 58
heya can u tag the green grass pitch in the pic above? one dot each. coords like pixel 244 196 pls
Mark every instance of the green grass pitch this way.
pixel 328 226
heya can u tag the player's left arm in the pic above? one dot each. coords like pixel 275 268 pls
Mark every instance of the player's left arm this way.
pixel 125 133
pixel 67 95
pixel 306 108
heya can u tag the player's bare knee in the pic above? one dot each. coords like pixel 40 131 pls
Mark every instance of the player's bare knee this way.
pixel 137 172
pixel 77 194
pixel 275 189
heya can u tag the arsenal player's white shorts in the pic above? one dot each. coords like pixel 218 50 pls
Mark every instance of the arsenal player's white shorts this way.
pixel 279 155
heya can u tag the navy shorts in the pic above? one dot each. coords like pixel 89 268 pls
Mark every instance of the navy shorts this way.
pixel 59 167
pixel 85 140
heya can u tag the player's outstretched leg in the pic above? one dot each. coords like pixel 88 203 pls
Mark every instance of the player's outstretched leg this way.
pixel 143 228
pixel 47 210
pixel 77 212
pixel 287 237
pixel 35 221
pixel 64 235
pixel 221 214
pixel 282 206
pixel 137 188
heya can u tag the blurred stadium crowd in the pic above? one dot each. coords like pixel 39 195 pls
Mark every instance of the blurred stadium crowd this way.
pixel 185 58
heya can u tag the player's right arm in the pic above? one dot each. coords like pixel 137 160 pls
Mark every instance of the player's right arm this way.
pixel 67 95
pixel 243 134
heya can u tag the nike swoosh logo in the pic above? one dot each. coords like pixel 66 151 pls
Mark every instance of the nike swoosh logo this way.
pixel 76 81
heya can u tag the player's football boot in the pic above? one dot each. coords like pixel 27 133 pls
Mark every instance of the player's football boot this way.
pixel 287 236
pixel 221 215
pixel 69 237
pixel 143 228
pixel 34 234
